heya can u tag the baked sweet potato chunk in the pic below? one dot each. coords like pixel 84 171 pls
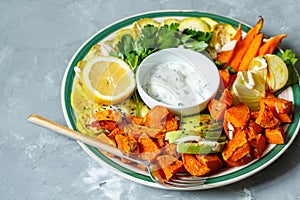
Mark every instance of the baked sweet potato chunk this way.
pixel 259 145
pixel 212 161
pixel 138 130
pixel 275 135
pixel 278 105
pixel 253 130
pixel 266 118
pixel 108 115
pixel 156 115
pixel 193 166
pixel 105 124
pixel 149 149
pixel 237 151
pixel 238 115
pixel 169 164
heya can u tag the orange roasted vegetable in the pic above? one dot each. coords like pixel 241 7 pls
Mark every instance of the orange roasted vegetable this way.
pixel 114 133
pixel 275 135
pixel 112 115
pixel 271 45
pixel 238 115
pixel 284 118
pixel 138 130
pixel 149 149
pixel 169 164
pixel 259 145
pixel 237 151
pixel 105 125
pixel 253 130
pixel 226 97
pixel 225 56
pixel 217 109
pixel 266 118
pixel 137 120
pixel 278 105
pixel 156 115
pixel 193 166
pixel 171 124
pixel 126 144
pixel 225 76
pixel 212 161
pixel 245 44
pixel 251 52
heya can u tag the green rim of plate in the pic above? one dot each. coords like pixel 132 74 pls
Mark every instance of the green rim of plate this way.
pixel 271 156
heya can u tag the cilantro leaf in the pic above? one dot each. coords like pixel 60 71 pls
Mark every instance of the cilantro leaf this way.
pixel 198 35
pixel 195 45
pixel 149 31
pixel 289 57
pixel 167 37
pixel 126 44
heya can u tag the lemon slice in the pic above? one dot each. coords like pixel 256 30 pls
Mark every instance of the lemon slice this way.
pixel 248 88
pixel 210 22
pixel 120 34
pixel 277 72
pixel 195 24
pixel 141 23
pixel 170 21
pixel 222 34
pixel 108 80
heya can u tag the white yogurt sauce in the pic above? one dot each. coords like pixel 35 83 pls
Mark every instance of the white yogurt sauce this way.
pixel 176 84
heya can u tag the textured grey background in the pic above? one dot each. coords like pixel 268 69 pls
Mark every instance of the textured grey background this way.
pixel 37 40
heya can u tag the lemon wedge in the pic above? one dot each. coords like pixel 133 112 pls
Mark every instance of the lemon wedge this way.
pixel 248 88
pixel 107 80
pixel 194 23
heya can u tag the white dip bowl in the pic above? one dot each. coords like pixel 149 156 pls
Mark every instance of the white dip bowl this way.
pixel 180 79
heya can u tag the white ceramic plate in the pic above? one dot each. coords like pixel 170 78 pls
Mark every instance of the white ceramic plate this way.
pixel 223 178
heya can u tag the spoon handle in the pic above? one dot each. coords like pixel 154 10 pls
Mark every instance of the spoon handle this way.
pixel 58 128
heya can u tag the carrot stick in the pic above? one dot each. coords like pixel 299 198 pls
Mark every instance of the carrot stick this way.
pixel 271 44
pixel 225 56
pixel 251 52
pixel 242 48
